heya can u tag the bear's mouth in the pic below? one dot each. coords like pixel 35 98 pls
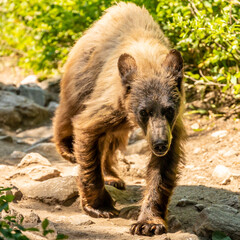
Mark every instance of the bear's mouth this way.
pixel 160 150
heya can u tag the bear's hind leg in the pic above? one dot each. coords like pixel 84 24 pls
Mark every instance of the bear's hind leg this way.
pixel 109 146
pixel 63 134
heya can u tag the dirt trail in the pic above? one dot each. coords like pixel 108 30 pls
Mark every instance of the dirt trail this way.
pixel 216 144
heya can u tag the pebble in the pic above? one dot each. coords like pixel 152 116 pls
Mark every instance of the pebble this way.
pixel 199 207
pixel 221 173
pixel 185 202
pixel 219 134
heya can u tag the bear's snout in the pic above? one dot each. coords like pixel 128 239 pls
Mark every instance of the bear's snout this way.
pixel 160 147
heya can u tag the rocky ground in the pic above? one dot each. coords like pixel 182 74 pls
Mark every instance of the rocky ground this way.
pixel 206 199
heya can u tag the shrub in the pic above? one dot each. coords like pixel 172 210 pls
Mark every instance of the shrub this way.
pixel 42 32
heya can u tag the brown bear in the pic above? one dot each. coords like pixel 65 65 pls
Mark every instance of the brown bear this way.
pixel 122 73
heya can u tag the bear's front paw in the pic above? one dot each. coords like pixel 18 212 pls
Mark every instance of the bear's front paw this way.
pixel 148 228
pixel 101 213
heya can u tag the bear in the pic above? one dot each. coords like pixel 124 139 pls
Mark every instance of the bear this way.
pixel 120 74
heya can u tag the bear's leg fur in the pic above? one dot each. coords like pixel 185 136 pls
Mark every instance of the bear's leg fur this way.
pixel 110 145
pixel 161 180
pixel 63 133
pixel 88 138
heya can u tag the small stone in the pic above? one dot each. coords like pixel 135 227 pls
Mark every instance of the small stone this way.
pixel 17 154
pixel 86 223
pixel 195 126
pixel 185 202
pixel 220 173
pixel 199 207
pixel 33 158
pixel 197 150
pixel 226 181
pixel 229 153
pixel 219 134
pixel 58 208
pixel 32 219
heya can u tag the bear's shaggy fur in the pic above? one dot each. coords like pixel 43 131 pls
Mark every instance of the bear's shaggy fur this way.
pixel 120 74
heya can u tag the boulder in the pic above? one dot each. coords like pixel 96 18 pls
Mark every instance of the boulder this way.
pixel 219 218
pixel 52 191
pixel 34 92
pixel 19 111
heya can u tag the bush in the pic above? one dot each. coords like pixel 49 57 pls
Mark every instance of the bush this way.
pixel 42 32
pixel 10 228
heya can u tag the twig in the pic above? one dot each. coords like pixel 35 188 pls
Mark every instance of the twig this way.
pixel 193 8
pixel 208 83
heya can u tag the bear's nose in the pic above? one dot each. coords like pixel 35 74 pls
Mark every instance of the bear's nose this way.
pixel 161 146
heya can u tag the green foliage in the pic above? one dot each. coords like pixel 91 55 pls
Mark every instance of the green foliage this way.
pixel 220 236
pixel 208 35
pixel 10 229
pixel 206 32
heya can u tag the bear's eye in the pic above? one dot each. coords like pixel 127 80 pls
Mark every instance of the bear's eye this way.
pixel 169 113
pixel 143 113
pixel 128 89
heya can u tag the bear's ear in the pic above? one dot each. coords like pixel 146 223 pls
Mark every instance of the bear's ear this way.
pixel 173 65
pixel 173 62
pixel 127 68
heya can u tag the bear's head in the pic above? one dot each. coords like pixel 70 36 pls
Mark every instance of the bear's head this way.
pixel 154 100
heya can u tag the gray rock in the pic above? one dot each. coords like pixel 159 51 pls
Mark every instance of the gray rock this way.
pixel 132 194
pixel 33 92
pixel 174 224
pixel 185 202
pixel 52 191
pixel 219 218
pixel 48 150
pixel 9 88
pixel 52 106
pixel 199 207
pixel 131 212
pixel 16 111
pixel 233 201
pixel 6 139
pixel 139 147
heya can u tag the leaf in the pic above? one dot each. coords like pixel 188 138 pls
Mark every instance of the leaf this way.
pixel 45 223
pixel 4 207
pixel 220 236
pixel 61 236
pixel 9 198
